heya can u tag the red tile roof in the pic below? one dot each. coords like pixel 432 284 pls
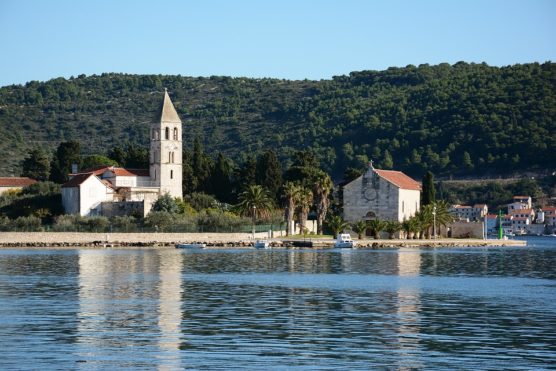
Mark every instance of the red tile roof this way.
pixel 549 208
pixel 399 179
pixel 77 180
pixel 16 182
pixel 521 197
pixel 118 171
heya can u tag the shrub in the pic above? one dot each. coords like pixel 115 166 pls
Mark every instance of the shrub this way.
pixel 42 189
pixel 27 223
pixel 200 201
pixel 166 203
pixel 215 220
pixel 95 224
pixel 124 223
pixel 159 220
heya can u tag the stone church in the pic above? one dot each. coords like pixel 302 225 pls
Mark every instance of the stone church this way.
pixel 111 191
pixel 381 194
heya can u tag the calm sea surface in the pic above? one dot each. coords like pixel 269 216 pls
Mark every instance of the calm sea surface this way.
pixel 472 308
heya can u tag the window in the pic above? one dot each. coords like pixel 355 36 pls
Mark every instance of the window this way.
pixel 154 174
pixel 169 156
pixel 171 174
pixel 403 206
pixel 175 133
pixel 167 133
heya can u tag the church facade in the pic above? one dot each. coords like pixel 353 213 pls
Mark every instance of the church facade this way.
pixel 381 194
pixel 112 191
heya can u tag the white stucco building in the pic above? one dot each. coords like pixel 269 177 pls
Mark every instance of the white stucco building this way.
pixel 109 190
pixel 381 194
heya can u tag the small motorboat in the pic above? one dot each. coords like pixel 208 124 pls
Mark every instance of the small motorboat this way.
pixel 261 244
pixel 344 241
pixel 190 246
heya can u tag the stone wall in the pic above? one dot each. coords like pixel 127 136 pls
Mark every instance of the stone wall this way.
pixel 466 230
pixel 111 209
pixel 47 238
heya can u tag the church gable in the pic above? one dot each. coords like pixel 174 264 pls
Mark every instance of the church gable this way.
pixel 381 194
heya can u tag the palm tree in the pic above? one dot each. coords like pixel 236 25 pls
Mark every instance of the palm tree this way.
pixel 337 224
pixel 321 189
pixel 255 201
pixel 304 202
pixel 392 226
pixel 359 227
pixel 376 226
pixel 289 194
pixel 443 215
pixel 411 227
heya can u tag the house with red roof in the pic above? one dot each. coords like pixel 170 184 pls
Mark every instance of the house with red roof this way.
pixel 110 191
pixel 14 183
pixel 381 194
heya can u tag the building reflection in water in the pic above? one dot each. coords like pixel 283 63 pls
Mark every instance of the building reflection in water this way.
pixel 124 294
pixel 169 308
pixel 408 309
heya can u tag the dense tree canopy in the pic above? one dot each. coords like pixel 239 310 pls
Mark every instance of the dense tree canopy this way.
pixel 460 119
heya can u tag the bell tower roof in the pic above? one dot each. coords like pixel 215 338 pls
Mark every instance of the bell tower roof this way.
pixel 167 112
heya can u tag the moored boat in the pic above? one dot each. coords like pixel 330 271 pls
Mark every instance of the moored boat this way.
pixel 344 241
pixel 261 244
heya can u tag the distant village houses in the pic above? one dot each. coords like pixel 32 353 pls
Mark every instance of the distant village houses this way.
pixel 521 218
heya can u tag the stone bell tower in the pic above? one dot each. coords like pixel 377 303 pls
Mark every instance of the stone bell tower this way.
pixel 165 167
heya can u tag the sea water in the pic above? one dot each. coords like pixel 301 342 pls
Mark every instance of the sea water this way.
pixel 441 308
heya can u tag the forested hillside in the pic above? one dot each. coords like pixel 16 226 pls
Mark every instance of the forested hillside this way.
pixel 462 119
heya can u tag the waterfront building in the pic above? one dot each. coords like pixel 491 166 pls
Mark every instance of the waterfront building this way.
pixel 111 191
pixel 469 213
pixel 14 183
pixel 550 218
pixel 381 194
pixel 520 203
pixel 491 221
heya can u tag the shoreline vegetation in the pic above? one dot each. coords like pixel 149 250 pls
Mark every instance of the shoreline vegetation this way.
pixel 70 240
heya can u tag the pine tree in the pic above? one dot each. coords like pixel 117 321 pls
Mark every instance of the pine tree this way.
pixel 37 165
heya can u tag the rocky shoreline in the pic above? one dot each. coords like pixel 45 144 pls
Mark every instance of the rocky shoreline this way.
pixel 61 240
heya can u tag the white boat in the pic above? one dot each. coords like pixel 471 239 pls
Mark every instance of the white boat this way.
pixel 344 241
pixel 261 244
pixel 190 245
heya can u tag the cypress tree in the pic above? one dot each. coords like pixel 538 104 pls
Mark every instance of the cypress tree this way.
pixel 269 173
pixel 221 181
pixel 429 193
pixel 68 153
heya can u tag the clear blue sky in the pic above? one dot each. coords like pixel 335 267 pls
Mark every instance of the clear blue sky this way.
pixel 291 39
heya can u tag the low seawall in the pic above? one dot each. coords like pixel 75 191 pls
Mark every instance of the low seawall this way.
pixel 84 239
pixel 214 240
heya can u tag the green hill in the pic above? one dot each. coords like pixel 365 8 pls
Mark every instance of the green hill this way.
pixel 462 119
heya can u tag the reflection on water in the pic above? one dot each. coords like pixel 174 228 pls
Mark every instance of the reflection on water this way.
pixel 169 309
